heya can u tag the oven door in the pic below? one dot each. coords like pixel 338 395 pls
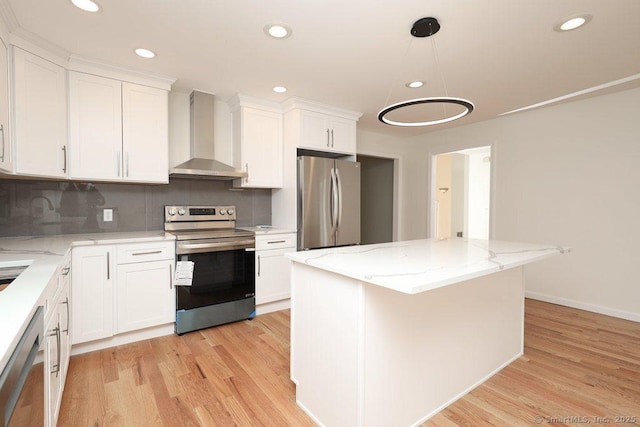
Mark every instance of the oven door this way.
pixel 219 275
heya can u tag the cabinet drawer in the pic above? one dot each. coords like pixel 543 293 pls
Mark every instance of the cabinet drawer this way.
pixel 275 241
pixel 142 252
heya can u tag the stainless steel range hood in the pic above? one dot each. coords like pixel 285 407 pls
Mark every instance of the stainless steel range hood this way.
pixel 202 164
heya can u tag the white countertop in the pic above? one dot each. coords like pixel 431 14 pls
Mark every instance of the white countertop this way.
pixel 420 265
pixel 19 301
pixel 267 229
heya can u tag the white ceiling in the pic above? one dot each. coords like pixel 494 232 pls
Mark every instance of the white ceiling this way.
pixel 355 54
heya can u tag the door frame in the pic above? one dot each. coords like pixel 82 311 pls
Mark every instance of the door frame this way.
pixel 397 164
pixel 431 183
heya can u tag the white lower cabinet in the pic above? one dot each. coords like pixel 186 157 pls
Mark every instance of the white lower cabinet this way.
pixel 121 288
pixel 272 268
pixel 145 295
pixel 57 344
pixel 92 292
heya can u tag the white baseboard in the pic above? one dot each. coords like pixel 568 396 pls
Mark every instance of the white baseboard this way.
pixel 126 338
pixel 608 311
pixel 273 306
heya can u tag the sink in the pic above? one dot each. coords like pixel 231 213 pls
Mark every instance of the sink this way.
pixel 9 274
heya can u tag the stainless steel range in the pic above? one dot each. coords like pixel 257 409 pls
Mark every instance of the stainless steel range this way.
pixel 223 284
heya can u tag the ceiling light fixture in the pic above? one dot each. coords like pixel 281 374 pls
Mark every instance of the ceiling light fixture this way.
pixel 278 31
pixel 86 5
pixel 414 85
pixel 426 27
pixel 572 22
pixel 279 89
pixel 145 53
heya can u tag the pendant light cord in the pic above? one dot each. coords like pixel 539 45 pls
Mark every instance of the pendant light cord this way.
pixel 436 59
pixel 395 79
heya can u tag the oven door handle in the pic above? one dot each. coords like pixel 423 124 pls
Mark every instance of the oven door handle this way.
pixel 185 248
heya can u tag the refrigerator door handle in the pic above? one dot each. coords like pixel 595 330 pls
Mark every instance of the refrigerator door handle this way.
pixel 334 202
pixel 339 209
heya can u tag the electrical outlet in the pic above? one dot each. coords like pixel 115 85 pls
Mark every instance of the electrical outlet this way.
pixel 107 215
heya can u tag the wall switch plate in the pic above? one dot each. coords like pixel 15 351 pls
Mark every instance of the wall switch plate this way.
pixel 107 215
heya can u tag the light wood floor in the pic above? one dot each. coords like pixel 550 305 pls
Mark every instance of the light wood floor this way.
pixel 576 364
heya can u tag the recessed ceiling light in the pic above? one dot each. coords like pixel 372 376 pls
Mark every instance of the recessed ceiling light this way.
pixel 86 5
pixel 278 31
pixel 279 89
pixel 415 84
pixel 145 53
pixel 572 22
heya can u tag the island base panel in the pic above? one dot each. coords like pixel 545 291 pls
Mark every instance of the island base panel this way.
pixel 363 355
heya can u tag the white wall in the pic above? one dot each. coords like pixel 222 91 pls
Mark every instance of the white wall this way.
pixel 567 174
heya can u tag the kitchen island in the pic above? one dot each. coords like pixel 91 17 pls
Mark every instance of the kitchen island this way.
pixel 390 334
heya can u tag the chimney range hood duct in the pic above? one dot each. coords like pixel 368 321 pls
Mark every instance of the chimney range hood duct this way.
pixel 202 165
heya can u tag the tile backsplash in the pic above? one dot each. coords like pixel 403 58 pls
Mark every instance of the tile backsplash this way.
pixel 36 208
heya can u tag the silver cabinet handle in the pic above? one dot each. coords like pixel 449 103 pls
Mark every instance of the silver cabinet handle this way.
pixel 258 265
pixel 170 275
pixel 108 269
pixel 65 271
pixel 246 166
pixel 147 253
pixel 66 302
pixel 2 130
pixel 55 369
pixel 64 151
pixel 118 162
pixel 126 162
pixel 275 241
pixel 327 137
pixel 331 138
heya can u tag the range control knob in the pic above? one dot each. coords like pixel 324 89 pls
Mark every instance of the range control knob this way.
pixel 181 211
pixel 223 211
pixel 172 211
pixel 230 211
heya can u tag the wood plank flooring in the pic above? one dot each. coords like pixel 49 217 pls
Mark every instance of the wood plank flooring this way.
pixel 576 364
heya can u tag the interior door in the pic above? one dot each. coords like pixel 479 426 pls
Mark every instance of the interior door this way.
pixel 315 205
pixel 348 174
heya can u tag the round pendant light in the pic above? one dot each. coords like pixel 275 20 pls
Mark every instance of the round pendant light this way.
pixel 426 27
pixel 468 108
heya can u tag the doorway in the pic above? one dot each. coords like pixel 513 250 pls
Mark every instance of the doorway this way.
pixel 377 205
pixel 461 197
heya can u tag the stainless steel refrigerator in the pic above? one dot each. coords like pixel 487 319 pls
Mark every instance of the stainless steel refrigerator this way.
pixel 328 202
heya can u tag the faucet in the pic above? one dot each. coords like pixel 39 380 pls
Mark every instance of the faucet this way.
pixel 49 204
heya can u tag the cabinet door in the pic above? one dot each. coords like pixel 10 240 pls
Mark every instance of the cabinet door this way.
pixel 273 273
pixel 315 131
pixel 261 148
pixel 145 139
pixel 92 293
pixel 95 127
pixel 40 116
pixel 146 296
pixel 52 363
pixel 5 143
pixel 64 308
pixel 343 135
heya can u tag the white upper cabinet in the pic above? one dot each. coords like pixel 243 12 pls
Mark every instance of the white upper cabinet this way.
pixel 145 133
pixel 322 128
pixel 95 127
pixel 6 158
pixel 327 133
pixel 257 142
pixel 118 130
pixel 40 108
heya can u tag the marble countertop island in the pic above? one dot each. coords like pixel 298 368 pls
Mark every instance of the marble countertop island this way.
pixel 420 265
pixel 390 334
